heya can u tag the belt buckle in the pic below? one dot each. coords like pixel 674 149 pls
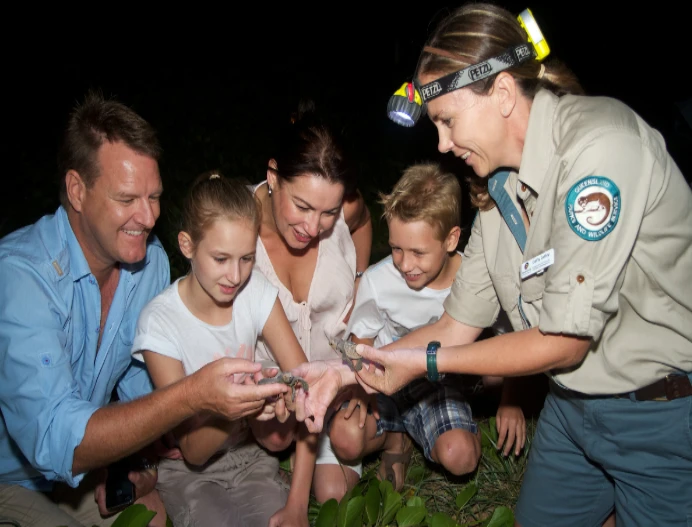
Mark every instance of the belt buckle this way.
pixel 673 386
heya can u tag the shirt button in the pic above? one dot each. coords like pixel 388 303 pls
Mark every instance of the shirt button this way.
pixel 91 280
pixel 523 187
pixel 580 278
pixel 98 329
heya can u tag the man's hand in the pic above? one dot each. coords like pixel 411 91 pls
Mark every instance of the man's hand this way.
pixel 212 388
pixel 389 371
pixel 325 379
pixel 143 480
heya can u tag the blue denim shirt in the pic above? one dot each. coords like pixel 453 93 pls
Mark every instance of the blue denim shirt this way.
pixel 51 377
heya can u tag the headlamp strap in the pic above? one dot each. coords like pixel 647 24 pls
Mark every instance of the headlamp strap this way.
pixel 514 56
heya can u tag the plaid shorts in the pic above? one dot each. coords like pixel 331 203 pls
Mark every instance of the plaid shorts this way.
pixel 426 410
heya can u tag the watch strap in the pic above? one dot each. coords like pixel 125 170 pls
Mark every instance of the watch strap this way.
pixel 431 354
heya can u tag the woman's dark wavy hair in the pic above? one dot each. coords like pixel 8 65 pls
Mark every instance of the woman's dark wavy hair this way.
pixel 309 145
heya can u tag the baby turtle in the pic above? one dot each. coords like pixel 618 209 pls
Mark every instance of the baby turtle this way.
pixel 289 380
pixel 348 352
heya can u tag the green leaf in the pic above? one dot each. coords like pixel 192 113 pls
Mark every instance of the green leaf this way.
pixel 285 465
pixel 416 474
pixel 415 501
pixel 327 515
pixel 502 517
pixel 440 519
pixel 392 503
pixel 386 488
pixel 408 516
pixel 373 503
pixel 468 492
pixel 358 489
pixel 351 512
pixel 136 515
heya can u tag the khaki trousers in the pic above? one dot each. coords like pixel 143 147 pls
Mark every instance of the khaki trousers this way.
pixel 22 507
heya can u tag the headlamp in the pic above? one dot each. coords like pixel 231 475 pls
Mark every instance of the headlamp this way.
pixel 405 106
pixel 409 102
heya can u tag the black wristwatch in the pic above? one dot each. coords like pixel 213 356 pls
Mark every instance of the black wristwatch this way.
pixel 431 353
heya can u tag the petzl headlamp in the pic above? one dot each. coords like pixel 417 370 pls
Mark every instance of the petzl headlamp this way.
pixel 409 102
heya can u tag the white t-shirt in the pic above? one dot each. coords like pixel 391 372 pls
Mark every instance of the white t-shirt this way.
pixel 386 308
pixel 166 326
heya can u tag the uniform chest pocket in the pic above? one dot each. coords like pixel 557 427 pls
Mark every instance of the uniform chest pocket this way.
pixel 507 291
pixel 532 288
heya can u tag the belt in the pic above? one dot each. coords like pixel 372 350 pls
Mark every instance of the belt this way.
pixel 671 387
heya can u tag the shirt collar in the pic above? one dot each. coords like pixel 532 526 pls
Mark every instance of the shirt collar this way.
pixel 79 268
pixel 539 144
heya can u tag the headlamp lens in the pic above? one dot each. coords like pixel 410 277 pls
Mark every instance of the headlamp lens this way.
pixel 403 108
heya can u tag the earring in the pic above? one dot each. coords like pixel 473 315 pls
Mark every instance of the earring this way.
pixel 270 190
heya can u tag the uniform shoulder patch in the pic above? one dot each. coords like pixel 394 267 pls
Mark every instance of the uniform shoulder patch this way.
pixel 593 207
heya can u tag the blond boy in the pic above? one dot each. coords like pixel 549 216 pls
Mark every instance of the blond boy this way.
pixel 396 295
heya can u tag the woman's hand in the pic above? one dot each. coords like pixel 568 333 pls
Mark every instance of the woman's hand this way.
pixel 389 371
pixel 325 379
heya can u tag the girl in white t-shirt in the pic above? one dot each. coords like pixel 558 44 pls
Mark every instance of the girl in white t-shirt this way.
pixel 220 309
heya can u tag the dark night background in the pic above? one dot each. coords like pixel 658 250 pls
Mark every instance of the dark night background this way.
pixel 215 82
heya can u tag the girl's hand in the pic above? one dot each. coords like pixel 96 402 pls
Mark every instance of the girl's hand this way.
pixel 289 517
pixel 274 407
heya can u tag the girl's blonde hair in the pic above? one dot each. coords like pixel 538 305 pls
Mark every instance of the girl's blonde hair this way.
pixel 213 196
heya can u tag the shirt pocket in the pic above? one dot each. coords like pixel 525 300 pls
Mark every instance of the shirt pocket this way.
pixel 507 291
pixel 532 288
pixel 127 332
pixel 123 346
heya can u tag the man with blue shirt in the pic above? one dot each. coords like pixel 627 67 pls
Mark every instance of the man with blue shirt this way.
pixel 71 288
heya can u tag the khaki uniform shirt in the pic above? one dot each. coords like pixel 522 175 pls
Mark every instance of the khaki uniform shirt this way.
pixel 601 191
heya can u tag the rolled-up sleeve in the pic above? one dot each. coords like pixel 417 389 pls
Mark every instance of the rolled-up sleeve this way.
pixel 43 410
pixel 472 299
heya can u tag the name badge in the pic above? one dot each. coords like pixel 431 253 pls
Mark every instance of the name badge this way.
pixel 538 264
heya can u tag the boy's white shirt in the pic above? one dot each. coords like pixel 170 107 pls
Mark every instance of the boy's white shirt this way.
pixel 386 308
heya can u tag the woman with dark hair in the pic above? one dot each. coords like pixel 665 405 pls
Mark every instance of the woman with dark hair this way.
pixel 314 243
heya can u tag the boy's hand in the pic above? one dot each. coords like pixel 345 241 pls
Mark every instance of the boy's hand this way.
pixel 511 429
pixel 356 396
